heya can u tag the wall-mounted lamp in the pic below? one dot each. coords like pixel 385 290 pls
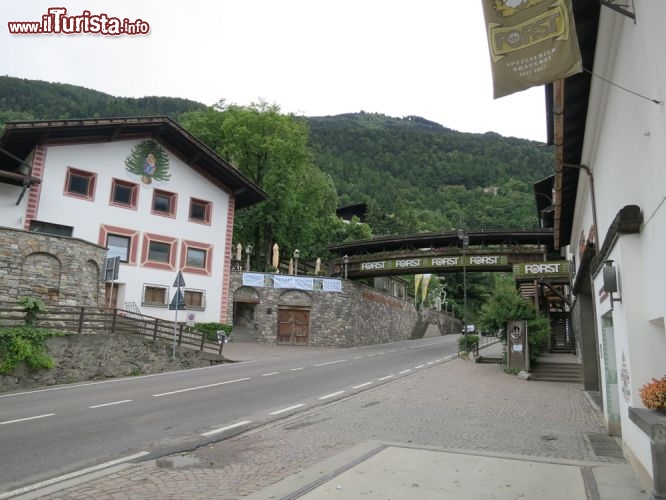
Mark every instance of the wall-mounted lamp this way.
pixel 610 282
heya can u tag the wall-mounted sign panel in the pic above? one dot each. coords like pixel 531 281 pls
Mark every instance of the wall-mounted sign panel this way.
pixel 540 270
pixel 443 263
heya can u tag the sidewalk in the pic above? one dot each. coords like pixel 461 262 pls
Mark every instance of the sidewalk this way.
pixel 457 430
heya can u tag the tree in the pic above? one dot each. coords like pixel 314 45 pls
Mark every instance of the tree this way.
pixel 505 305
pixel 271 149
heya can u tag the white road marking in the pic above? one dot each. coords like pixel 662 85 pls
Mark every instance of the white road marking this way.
pixel 269 374
pixel 27 418
pixel 332 362
pixel 404 371
pixel 226 428
pixel 370 355
pixel 111 404
pixel 387 377
pixel 200 387
pixel 420 366
pixel 71 475
pixel 332 395
pixel 430 363
pixel 358 357
pixel 438 360
pixel 285 409
pixel 362 385
pixel 296 369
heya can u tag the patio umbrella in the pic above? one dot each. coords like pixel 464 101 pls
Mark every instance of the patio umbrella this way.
pixel 239 249
pixel 291 266
pixel 317 266
pixel 276 256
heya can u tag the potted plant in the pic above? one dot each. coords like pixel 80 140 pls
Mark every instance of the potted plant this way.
pixel 653 394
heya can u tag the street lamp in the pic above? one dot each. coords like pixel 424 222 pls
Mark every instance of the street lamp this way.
pixel 345 261
pixel 296 255
pixel 248 252
pixel 464 239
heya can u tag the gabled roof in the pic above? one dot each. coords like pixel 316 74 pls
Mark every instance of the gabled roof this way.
pixel 20 138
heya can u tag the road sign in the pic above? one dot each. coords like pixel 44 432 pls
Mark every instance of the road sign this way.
pixel 179 281
pixel 111 268
pixel 178 301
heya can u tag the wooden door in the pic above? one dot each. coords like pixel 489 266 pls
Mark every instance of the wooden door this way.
pixel 111 295
pixel 293 326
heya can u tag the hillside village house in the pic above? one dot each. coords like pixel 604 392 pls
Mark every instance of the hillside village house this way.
pixel 608 126
pixel 143 188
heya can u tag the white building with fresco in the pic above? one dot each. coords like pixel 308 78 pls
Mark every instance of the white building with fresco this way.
pixel 144 188
pixel 608 126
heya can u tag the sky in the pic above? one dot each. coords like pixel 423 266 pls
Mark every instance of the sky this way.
pixel 310 57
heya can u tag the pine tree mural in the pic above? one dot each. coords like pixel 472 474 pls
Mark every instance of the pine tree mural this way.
pixel 149 161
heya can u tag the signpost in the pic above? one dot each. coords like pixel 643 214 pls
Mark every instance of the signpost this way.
pixel 178 302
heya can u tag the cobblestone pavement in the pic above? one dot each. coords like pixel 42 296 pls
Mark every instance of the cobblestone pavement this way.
pixel 458 404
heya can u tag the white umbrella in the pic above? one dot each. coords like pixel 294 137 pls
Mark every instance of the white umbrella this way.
pixel 276 256
pixel 239 250
pixel 317 266
pixel 291 266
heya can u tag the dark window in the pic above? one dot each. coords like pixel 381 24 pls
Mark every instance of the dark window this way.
pixel 119 246
pixel 200 211
pixel 196 258
pixel 124 193
pixel 48 228
pixel 80 183
pixel 164 203
pixel 159 252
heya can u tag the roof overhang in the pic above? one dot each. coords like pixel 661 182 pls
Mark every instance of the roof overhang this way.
pixel 20 138
pixel 566 108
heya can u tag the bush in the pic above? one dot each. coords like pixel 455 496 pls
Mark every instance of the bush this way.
pixel 31 306
pixel 27 344
pixel 467 343
pixel 211 329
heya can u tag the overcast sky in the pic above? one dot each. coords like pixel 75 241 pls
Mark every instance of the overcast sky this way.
pixel 312 57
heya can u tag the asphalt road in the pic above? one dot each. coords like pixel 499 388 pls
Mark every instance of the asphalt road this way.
pixel 60 430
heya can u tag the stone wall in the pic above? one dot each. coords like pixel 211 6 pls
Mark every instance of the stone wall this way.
pixel 57 269
pixel 79 358
pixel 356 316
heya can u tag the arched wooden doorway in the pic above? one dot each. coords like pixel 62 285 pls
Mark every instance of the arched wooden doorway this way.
pixel 294 318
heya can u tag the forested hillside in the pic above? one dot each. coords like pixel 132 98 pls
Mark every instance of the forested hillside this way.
pixel 429 176
pixel 416 175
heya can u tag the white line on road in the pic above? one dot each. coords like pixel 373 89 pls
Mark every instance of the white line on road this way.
pixel 332 362
pixel 430 363
pixel 404 371
pixel 361 385
pixel 438 360
pixel 358 357
pixel 200 387
pixel 332 395
pixel 111 404
pixel 285 409
pixel 420 366
pixel 59 479
pixel 370 355
pixel 269 374
pixel 226 428
pixel 27 418
pixel 385 378
pixel 296 369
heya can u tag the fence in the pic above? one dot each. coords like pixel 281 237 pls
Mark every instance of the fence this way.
pixel 93 320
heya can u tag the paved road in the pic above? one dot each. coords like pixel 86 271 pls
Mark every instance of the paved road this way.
pixel 63 429
pixel 457 405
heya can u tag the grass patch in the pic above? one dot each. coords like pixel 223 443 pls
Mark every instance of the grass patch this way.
pixel 27 344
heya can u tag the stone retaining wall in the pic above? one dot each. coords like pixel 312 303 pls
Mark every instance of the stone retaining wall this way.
pixel 81 358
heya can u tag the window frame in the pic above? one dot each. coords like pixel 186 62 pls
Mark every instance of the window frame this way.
pixel 207 208
pixel 134 194
pixel 173 202
pixel 165 299
pixel 132 234
pixel 128 250
pixel 207 269
pixel 91 178
pixel 202 302
pixel 155 264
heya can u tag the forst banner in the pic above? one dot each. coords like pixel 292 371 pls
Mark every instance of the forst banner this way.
pixel 531 43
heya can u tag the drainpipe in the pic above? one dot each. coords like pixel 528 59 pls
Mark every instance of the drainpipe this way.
pixel 587 170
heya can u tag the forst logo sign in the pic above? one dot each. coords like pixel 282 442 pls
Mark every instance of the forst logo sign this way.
pixel 541 269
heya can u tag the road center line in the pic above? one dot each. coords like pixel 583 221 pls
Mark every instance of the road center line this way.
pixel 361 385
pixel 269 374
pixel 420 366
pixel 200 387
pixel 59 479
pixel 285 409
pixel 332 362
pixel 404 371
pixel 332 395
pixel 385 378
pixel 27 418
pixel 358 357
pixel 226 428
pixel 430 363
pixel 296 369
pixel 111 404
